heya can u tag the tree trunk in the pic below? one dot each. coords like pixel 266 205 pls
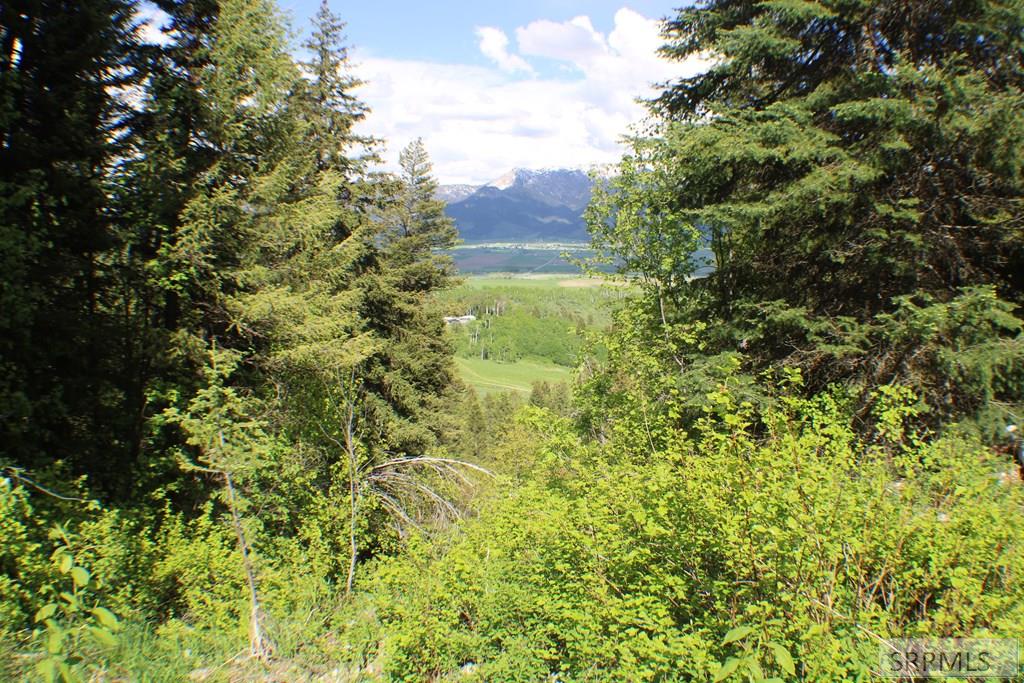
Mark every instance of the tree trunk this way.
pixel 260 646
pixel 353 492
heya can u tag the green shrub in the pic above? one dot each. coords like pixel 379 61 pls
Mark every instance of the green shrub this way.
pixel 74 630
pixel 22 563
pixel 764 544
pixel 200 573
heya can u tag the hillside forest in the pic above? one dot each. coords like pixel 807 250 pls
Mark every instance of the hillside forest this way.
pixel 234 440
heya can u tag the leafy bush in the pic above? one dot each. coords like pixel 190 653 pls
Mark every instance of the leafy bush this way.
pixel 22 565
pixel 74 629
pixel 200 570
pixel 778 543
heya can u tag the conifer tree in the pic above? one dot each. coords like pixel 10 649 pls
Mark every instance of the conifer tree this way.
pixel 840 162
pixel 63 67
pixel 413 375
pixel 422 213
pixel 333 108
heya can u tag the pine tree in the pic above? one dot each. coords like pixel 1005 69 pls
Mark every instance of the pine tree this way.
pixel 422 213
pixel 412 378
pixel 333 108
pixel 834 158
pixel 165 153
pixel 63 69
pixel 876 139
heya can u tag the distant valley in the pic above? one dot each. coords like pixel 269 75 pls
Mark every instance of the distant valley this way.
pixel 527 221
pixel 522 206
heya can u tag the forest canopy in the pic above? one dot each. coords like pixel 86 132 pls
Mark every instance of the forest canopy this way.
pixel 235 445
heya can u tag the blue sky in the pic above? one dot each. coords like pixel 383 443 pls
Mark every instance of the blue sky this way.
pixel 443 31
pixel 500 85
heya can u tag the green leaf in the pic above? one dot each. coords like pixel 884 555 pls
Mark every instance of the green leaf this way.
pixel 738 633
pixel 784 659
pixel 47 669
pixel 55 640
pixel 65 563
pixel 80 575
pixel 815 630
pixel 727 669
pixel 106 618
pixel 103 636
pixel 45 612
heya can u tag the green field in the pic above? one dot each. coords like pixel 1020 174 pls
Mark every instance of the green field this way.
pixel 553 282
pixel 487 376
pixel 528 328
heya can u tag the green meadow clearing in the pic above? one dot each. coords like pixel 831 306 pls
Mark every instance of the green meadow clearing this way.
pixel 487 376
pixel 550 282
pixel 529 328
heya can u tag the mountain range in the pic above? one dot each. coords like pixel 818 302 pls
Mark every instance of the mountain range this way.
pixel 522 206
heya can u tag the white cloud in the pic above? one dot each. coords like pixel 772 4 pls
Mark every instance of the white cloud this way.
pixel 572 41
pixel 150 19
pixel 494 45
pixel 478 122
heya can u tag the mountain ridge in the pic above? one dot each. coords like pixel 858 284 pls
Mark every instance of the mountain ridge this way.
pixel 523 205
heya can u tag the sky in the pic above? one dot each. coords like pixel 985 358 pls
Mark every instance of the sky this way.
pixel 492 86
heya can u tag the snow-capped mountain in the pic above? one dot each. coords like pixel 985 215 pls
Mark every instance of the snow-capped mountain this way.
pixel 557 187
pixel 523 205
pixel 455 193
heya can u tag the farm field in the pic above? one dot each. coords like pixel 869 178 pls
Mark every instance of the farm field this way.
pixel 528 328
pixel 488 376
pixel 534 281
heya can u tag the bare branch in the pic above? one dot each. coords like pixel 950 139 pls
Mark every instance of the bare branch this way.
pixel 397 509
pixel 15 473
pixel 426 460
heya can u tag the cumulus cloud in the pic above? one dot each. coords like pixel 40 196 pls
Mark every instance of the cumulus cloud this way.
pixel 478 122
pixel 149 20
pixel 494 45
pixel 573 41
